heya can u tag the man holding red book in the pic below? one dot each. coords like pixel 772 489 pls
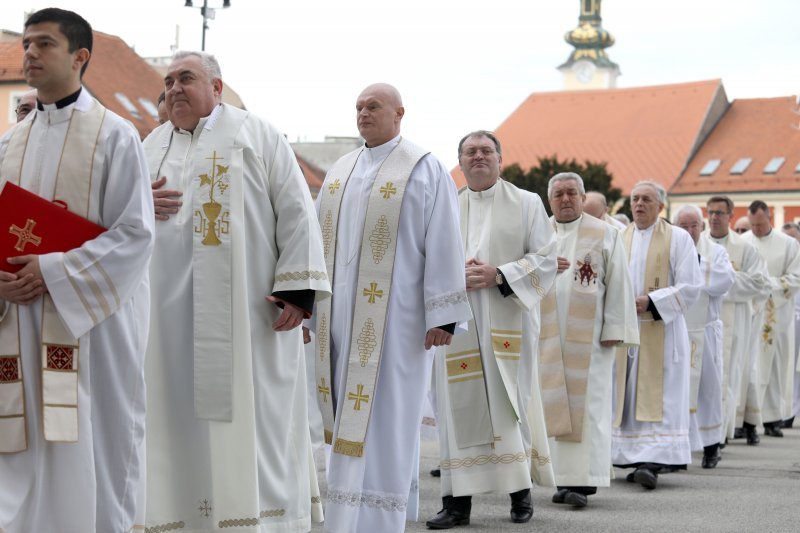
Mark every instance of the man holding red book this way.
pixel 73 322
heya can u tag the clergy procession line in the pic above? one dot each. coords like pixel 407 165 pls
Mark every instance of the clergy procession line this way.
pixel 548 350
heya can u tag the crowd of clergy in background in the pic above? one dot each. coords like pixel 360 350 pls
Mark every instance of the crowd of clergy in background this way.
pixel 545 349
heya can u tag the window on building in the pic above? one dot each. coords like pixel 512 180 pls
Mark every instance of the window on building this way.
pixel 150 107
pixel 741 165
pixel 797 168
pixel 128 105
pixel 774 165
pixel 711 166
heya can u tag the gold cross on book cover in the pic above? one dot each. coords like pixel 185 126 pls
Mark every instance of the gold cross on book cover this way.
pixel 29 224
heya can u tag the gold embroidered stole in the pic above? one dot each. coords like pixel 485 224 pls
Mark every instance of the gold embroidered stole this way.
pixel 466 382
pixel 696 320
pixel 375 267
pixel 59 352
pixel 217 208
pixel 650 379
pixel 564 365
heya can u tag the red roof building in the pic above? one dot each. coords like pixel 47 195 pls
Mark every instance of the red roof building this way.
pixel 752 154
pixel 642 133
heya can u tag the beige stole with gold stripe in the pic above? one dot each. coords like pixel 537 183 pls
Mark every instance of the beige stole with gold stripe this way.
pixel 563 373
pixel 376 263
pixel 59 352
pixel 696 320
pixel 469 403
pixel 650 379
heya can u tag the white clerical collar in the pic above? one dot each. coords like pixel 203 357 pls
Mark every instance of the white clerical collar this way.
pixel 566 227
pixel 54 114
pixel 380 152
pixel 205 123
pixel 647 230
pixel 482 195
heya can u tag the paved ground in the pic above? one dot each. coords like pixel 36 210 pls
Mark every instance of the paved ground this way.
pixel 754 488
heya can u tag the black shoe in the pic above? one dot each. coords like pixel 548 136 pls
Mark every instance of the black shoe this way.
pixel 738 433
pixel 436 472
pixel 646 478
pixel 723 444
pixel 629 478
pixel 447 519
pixel 788 423
pixel 521 506
pixel 576 499
pixel 710 461
pixel 558 497
pixel 773 429
pixel 752 435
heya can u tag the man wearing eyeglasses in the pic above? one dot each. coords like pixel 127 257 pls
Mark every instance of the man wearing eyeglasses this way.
pixel 776 357
pixel 742 318
pixel 26 104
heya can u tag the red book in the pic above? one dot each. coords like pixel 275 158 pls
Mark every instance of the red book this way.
pixel 29 224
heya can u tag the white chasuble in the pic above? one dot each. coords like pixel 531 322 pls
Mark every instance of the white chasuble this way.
pixel 706 375
pixel 776 362
pixel 492 435
pixel 85 412
pixel 379 490
pixel 376 261
pixel 739 311
pixel 665 441
pixel 228 441
pixel 587 461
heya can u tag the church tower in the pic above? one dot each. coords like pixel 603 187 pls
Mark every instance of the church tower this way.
pixel 589 67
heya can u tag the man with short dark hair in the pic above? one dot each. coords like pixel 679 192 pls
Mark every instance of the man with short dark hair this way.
pixel 776 359
pixel 237 265
pixel 487 390
pixel 73 325
pixel 742 318
pixel 163 116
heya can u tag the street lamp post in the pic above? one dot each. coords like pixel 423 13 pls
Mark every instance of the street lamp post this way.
pixel 208 13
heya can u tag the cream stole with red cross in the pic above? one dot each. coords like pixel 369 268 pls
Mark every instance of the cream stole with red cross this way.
pixel 464 360
pixel 564 358
pixel 59 352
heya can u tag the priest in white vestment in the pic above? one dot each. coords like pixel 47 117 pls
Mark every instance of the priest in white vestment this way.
pixel 589 313
pixel 776 359
pixel 741 316
pixel 399 290
pixel 597 206
pixel 651 426
pixel 237 266
pixel 492 435
pixel 792 229
pixel 72 400
pixel 705 335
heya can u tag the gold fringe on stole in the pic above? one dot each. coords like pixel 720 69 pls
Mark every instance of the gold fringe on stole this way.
pixel 650 378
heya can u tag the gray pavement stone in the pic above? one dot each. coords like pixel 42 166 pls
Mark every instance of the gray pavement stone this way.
pixel 753 489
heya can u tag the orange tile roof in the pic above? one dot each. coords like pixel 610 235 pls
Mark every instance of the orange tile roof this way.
pixel 314 176
pixel 11 61
pixel 114 67
pixel 641 132
pixel 760 129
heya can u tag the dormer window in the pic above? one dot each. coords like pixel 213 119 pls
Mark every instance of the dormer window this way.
pixel 711 166
pixel 741 165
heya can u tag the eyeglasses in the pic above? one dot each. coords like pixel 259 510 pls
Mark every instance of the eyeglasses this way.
pixel 714 212
pixel 741 230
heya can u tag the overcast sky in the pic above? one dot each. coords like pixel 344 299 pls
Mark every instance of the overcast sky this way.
pixel 460 65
